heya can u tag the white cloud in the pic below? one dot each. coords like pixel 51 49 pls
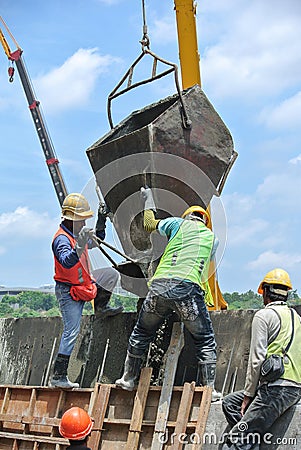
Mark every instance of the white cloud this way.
pixel 72 84
pixel 271 259
pixel 23 223
pixel 279 192
pixel 287 115
pixel 163 31
pixel 246 233
pixel 263 225
pixel 258 54
pixel 296 160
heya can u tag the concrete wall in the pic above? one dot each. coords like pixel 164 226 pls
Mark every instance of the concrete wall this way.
pixel 26 346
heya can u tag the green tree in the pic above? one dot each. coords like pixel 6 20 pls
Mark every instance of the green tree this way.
pixel 129 303
pixel 6 310
pixel 37 301
pixel 247 300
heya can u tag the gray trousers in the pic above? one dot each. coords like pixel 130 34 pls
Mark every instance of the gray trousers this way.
pixel 250 430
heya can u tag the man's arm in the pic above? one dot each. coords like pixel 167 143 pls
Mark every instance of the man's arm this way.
pixel 64 253
pixel 258 351
pixel 245 403
pixel 166 227
pixel 150 223
pixel 100 228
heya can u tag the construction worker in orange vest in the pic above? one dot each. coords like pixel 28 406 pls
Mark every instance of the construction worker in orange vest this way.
pixel 76 425
pixel 74 283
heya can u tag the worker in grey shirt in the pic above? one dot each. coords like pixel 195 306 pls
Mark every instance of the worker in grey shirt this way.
pixel 252 412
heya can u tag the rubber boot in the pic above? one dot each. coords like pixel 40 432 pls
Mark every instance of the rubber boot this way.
pixel 131 372
pixel 206 377
pixel 59 378
pixel 101 304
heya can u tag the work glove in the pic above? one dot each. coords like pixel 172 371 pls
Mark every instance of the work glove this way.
pixel 84 235
pixel 147 196
pixel 103 212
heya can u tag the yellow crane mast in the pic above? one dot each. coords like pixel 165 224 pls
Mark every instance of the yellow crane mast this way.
pixel 191 75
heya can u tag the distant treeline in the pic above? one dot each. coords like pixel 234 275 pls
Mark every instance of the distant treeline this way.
pixel 39 304
pixel 252 300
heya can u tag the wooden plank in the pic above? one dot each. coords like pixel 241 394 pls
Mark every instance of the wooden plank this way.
pixel 93 398
pixel 32 438
pixel 11 418
pixel 50 421
pixel 5 403
pixel 151 409
pixel 172 354
pixel 98 415
pixel 183 414
pixel 138 409
pixel 202 417
pixel 59 407
pixel 6 400
pixel 32 403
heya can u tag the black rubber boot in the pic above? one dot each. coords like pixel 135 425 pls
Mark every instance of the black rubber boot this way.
pixel 131 372
pixel 59 378
pixel 101 304
pixel 206 377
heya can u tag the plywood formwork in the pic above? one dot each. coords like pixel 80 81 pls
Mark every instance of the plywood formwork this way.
pixel 30 416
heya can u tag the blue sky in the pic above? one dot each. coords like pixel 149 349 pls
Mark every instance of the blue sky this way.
pixel 76 52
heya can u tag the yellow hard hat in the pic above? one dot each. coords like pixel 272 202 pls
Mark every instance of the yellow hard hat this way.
pixel 196 209
pixel 76 207
pixel 276 276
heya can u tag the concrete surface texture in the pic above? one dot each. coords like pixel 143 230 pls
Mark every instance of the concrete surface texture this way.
pixel 27 347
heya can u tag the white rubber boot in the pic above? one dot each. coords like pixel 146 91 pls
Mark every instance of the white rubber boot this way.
pixel 131 372
pixel 207 378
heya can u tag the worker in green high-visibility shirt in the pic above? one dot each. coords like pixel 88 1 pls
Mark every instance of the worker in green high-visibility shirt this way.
pixel 178 284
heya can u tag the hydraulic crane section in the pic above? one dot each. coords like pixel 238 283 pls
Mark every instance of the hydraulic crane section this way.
pixel 34 106
pixel 187 42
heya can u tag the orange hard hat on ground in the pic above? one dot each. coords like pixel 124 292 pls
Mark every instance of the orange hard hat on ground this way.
pixel 75 424
pixel 198 210
pixel 276 276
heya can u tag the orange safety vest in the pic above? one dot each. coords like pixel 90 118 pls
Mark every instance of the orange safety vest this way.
pixel 78 275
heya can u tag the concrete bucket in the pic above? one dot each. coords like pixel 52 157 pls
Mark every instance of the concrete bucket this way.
pixel 184 166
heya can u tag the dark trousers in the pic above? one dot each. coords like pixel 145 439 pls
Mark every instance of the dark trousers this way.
pixel 187 300
pixel 269 403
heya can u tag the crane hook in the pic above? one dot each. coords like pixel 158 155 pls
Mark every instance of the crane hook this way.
pixel 11 72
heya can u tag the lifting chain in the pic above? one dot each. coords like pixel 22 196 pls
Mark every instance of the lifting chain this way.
pixel 145 42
